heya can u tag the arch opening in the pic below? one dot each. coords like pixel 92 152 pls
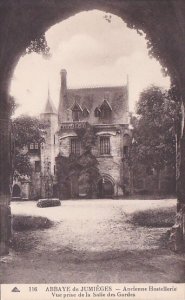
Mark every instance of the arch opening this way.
pixel 105 188
pixel 135 14
pixel 16 191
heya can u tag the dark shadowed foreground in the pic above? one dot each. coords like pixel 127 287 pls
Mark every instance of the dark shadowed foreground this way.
pixel 97 241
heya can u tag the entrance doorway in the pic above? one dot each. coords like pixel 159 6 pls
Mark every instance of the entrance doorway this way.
pixel 105 188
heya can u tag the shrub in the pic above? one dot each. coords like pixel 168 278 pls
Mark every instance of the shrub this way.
pixel 48 202
pixel 22 223
pixel 159 217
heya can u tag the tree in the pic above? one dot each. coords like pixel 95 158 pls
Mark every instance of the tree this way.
pixel 26 130
pixel 40 46
pixel 154 130
pixel 12 105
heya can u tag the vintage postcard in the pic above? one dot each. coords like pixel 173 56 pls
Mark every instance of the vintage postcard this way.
pixel 91 150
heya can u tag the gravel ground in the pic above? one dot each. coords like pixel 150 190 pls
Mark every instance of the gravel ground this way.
pixel 92 241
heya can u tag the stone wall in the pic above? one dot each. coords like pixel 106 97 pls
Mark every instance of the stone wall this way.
pixel 111 164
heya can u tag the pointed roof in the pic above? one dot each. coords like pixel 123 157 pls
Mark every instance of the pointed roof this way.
pixel 49 108
pixel 105 104
pixel 76 106
pixel 85 109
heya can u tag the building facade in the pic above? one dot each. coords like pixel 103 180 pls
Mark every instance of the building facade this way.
pixel 62 167
pixel 105 110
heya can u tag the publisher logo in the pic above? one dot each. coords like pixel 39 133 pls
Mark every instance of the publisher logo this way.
pixel 15 290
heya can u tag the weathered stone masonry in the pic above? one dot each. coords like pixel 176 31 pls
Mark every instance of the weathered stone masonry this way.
pixel 104 108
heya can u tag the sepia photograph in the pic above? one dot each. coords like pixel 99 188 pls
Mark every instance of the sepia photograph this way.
pixel 92 149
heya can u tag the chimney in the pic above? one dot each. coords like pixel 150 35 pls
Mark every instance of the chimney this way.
pixel 63 96
pixel 63 74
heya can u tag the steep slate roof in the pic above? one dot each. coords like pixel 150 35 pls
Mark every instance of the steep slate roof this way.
pixel 93 97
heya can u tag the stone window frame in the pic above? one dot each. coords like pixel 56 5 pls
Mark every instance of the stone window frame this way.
pixel 75 146
pixel 105 145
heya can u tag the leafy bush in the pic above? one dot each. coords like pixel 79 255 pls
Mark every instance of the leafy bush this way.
pixel 22 223
pixel 159 217
pixel 48 202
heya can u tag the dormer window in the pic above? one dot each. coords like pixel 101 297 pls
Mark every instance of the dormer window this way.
pixel 76 112
pixel 106 110
pixel 76 115
pixel 32 146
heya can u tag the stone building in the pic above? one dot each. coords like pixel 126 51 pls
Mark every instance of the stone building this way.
pixel 103 108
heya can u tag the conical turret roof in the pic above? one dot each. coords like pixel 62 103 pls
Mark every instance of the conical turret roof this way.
pixel 49 107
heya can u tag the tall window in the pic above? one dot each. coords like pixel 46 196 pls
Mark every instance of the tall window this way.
pixel 37 166
pixel 75 146
pixel 76 112
pixel 104 145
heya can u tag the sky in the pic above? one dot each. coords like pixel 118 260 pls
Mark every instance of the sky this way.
pixel 94 52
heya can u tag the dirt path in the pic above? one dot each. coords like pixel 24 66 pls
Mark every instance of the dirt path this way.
pixel 92 241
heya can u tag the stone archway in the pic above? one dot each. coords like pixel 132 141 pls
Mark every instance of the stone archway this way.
pixel 163 24
pixel 105 187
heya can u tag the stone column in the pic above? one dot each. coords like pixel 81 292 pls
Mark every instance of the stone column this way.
pixel 5 171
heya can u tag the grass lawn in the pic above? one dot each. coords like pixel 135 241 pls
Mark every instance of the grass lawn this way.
pixel 158 217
